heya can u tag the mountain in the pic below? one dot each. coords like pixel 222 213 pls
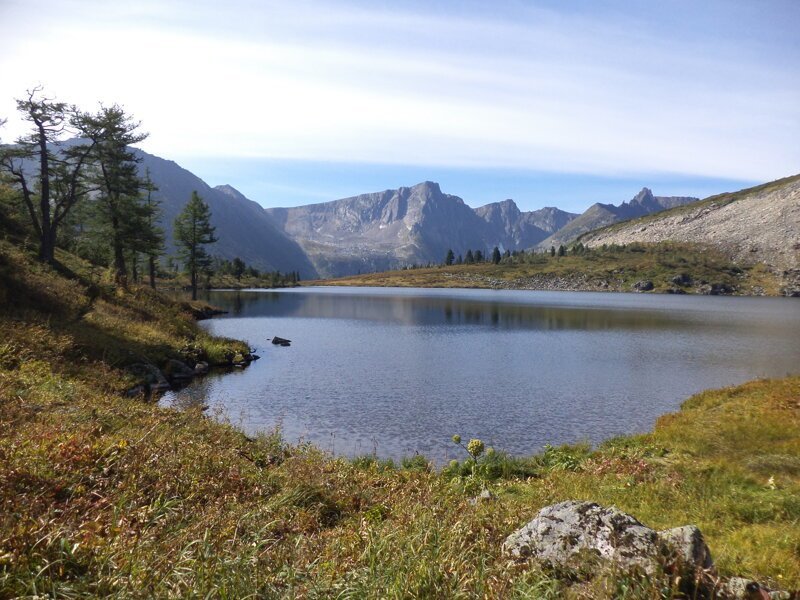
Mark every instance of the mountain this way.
pixel 759 224
pixel 382 230
pixel 242 226
pixel 600 215
pixel 509 228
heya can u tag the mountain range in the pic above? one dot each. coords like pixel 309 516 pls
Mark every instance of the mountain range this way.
pixel 375 231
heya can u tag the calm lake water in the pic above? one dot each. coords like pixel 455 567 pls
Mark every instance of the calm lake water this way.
pixel 399 371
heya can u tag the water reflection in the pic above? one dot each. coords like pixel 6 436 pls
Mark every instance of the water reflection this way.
pixel 401 371
pixel 426 310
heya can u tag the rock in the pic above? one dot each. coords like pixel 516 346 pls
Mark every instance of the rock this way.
pixel 279 341
pixel 682 279
pixel 739 588
pixel 149 375
pixel 720 289
pixel 484 496
pixel 643 286
pixel 566 531
pixel 201 368
pixel 687 554
pixel 178 371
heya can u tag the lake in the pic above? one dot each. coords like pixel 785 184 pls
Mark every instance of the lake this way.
pixel 399 371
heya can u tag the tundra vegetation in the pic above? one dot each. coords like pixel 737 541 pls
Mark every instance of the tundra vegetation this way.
pixel 102 494
pixel 670 267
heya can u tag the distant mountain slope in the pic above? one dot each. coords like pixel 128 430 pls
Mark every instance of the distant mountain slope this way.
pixel 381 230
pixel 600 215
pixel 243 227
pixel 759 224
pixel 509 228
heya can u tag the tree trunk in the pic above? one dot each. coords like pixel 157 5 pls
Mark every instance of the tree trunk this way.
pixel 194 284
pixel 120 272
pixel 47 246
pixel 152 266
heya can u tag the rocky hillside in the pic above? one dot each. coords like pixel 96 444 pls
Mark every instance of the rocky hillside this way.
pixel 600 215
pixel 759 224
pixel 509 228
pixel 382 230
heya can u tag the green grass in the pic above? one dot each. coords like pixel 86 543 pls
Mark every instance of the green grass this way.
pixel 610 269
pixel 107 496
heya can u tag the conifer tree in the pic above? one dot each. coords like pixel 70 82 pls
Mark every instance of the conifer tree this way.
pixel 193 231
pixel 449 257
pixel 120 211
pixel 48 177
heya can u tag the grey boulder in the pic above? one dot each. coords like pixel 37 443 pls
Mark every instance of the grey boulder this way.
pixel 563 533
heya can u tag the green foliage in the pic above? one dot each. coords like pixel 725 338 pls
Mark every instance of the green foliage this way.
pixel 193 231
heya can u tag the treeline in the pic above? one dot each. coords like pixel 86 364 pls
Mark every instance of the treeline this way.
pixel 76 184
pixel 529 256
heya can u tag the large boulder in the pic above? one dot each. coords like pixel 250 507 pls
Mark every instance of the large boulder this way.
pixel 567 532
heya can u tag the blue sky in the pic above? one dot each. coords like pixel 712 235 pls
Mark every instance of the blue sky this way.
pixel 549 103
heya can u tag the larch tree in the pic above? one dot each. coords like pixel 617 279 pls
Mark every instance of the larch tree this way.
pixel 120 209
pixel 47 174
pixel 193 231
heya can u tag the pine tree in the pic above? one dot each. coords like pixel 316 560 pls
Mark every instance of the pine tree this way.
pixel 469 258
pixel 496 255
pixel 449 258
pixel 238 268
pixel 193 231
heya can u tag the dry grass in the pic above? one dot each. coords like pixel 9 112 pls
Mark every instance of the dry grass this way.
pixel 613 269
pixel 103 496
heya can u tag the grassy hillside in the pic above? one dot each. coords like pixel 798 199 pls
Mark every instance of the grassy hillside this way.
pixel 601 269
pixel 102 495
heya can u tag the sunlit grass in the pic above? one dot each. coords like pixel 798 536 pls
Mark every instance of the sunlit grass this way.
pixel 102 495
pixel 605 270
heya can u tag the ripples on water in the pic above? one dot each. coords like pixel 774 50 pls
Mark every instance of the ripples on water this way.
pixel 398 371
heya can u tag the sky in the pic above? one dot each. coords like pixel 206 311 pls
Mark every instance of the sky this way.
pixel 546 102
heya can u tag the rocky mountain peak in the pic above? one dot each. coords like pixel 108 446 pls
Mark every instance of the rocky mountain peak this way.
pixel 643 197
pixel 229 190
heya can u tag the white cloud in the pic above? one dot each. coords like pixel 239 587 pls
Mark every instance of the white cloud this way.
pixel 314 81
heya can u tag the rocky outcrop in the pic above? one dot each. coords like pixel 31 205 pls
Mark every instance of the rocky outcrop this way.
pixel 760 224
pixel 569 535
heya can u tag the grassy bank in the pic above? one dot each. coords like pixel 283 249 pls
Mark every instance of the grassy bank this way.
pixel 698 270
pixel 102 495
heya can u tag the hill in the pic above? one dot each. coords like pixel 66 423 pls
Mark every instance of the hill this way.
pixel 758 224
pixel 600 215
pixel 243 228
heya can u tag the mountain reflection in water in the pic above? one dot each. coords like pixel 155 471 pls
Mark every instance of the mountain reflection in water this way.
pixel 398 371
